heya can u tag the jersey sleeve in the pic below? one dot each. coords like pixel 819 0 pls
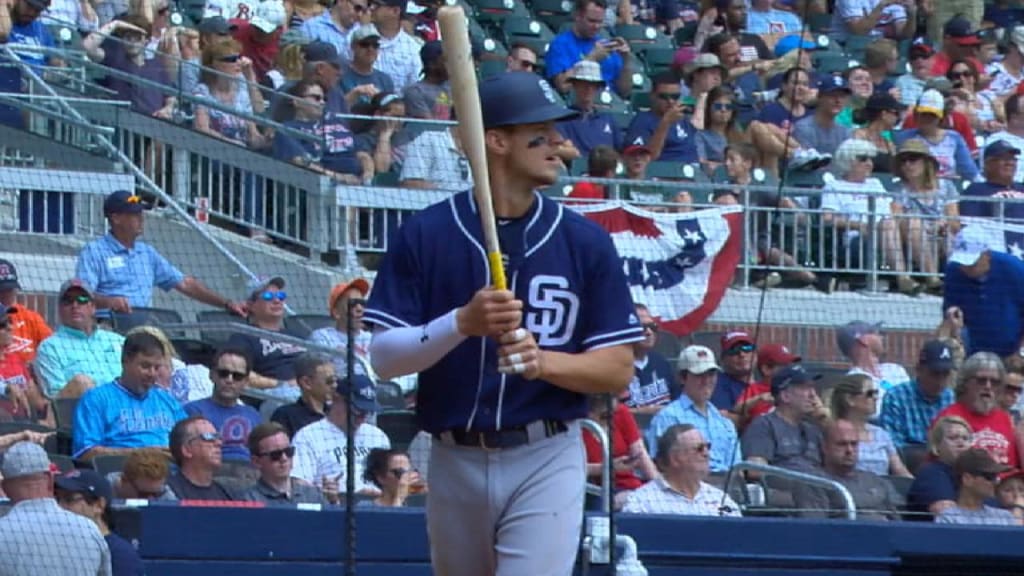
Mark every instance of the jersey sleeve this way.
pixel 608 305
pixel 88 424
pixel 396 300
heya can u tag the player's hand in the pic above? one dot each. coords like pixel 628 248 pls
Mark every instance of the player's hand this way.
pixel 120 304
pixel 519 354
pixel 490 313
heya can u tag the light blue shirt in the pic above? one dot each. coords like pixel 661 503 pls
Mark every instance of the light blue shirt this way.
pixel 69 352
pixel 716 429
pixel 113 270
pixel 323 28
pixel 114 417
pixel 773 22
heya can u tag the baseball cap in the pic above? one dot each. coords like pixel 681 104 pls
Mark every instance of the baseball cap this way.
pixel 848 335
pixel 730 339
pixel 978 462
pixel 931 102
pixel 775 355
pixel 880 101
pixel 359 284
pixel 787 44
pixel 1017 37
pixel 85 481
pixel 520 97
pixel 970 243
pixel 683 56
pixel 961 31
pixel 792 375
pixel 75 284
pixel 921 50
pixel 318 51
pixel 414 8
pixel 636 149
pixel 124 202
pixel 394 3
pixel 261 283
pixel 270 15
pixel 703 62
pixel 431 52
pixel 587 71
pixel 1010 474
pixel 39 4
pixel 832 83
pixel 936 356
pixel 697 360
pixel 918 147
pixel 25 459
pixel 8 275
pixel 367 31
pixel 1000 148
pixel 214 25
pixel 364 394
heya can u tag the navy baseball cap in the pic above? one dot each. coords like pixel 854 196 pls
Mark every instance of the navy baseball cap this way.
pixel 833 83
pixel 792 375
pixel 848 335
pixel 85 481
pixel 364 393
pixel 936 356
pixel 1000 148
pixel 961 31
pixel 215 25
pixel 431 51
pixel 124 202
pixel 512 98
pixel 318 51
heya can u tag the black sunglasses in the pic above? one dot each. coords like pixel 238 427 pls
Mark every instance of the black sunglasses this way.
pixel 721 106
pixel 224 373
pixel 277 455
pixel 735 350
pixel 206 437
pixel 864 158
pixel 374 45
pixel 872 393
pixel 230 58
pixel 357 302
pixel 80 299
pixel 652 326
pixel 667 96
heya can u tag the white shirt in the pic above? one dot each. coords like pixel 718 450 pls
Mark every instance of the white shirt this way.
pixel 320 452
pixel 657 497
pixel 399 58
pixel 1003 82
pixel 432 156
pixel 891 375
pixel 68 13
pixel 851 200
pixel 847 10
pixel 1015 141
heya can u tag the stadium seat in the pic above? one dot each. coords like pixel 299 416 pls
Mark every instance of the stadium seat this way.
pixel 490 68
pixel 491 12
pixel 192 351
pixel 901 484
pixel 141 316
pixel 400 426
pixel 831 62
pixel 855 46
pixel 304 324
pixel 685 35
pixel 642 37
pixel 389 396
pixel 64 412
pixel 609 101
pixel 658 59
pixel 108 463
pixel 63 463
pixel 516 27
pixel 914 455
pixel 820 23
pixel 217 336
pixel 578 166
pixel 238 470
pixel 554 13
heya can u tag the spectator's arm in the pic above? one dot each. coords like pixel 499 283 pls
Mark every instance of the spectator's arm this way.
pixel 939 505
pixel 366 163
pixel 196 290
pixel 657 141
pixel 643 460
pixel 418 183
pixel 624 81
pixel 897 467
pixel 382 152
pixel 261 382
pixel 5 20
pixel 965 165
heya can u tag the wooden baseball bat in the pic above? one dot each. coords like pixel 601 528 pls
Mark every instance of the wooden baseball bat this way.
pixel 466 98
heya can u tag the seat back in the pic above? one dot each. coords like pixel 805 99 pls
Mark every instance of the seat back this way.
pixel 304 324
pixel 389 396
pixel 400 426
pixel 141 316
pixel 219 336
pixel 108 463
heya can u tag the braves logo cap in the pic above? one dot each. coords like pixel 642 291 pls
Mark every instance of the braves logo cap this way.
pixel 512 98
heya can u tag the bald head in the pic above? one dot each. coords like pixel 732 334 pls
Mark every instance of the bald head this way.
pixel 839 448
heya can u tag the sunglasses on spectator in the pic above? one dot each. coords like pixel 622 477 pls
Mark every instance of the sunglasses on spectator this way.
pixel 369 45
pixel 357 302
pixel 277 455
pixel 919 56
pixel 210 437
pixel 652 326
pixel 705 447
pixel 270 295
pixel 668 95
pixel 224 374
pixel 80 299
pixel 398 472
pixel 145 494
pixel 527 64
pixel 317 97
pixel 742 348
pixel 989 476
pixel 230 58
pixel 721 107
pixel 910 159
pixel 872 393
pixel 1009 387
pixel 864 158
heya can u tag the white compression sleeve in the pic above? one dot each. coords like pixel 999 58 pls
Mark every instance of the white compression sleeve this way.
pixel 399 351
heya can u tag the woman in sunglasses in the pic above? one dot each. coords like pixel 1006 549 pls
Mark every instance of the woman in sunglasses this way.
pixel 391 471
pixel 720 128
pixel 978 105
pixel 855 399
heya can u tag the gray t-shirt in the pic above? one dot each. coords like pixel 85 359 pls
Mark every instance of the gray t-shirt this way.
pixel 782 444
pixel 426 100
pixel 824 139
pixel 350 78
pixel 874 497
pixel 38 538
pixel 711 146
pixel 988 515
pixel 301 493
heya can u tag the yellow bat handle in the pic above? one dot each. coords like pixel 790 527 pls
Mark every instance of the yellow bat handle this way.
pixel 497 271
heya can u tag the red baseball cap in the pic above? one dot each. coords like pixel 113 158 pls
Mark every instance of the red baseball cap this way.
pixel 636 149
pixel 339 289
pixel 1014 473
pixel 731 339
pixel 775 355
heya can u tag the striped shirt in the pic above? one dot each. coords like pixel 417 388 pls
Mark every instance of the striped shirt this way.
pixel 907 413
pixel 320 451
pixel 658 497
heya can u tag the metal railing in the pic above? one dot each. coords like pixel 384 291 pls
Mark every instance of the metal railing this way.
pixel 850 508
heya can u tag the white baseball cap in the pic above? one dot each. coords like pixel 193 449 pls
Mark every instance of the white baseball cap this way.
pixel 970 243
pixel 270 15
pixel 697 360
pixel 587 71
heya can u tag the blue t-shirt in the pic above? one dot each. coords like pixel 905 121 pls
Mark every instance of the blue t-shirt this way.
pixel 562 266
pixel 773 21
pixel 934 481
pixel 992 306
pixel 777 114
pixel 124 558
pixel 567 49
pixel 10 76
pixel 727 391
pixel 334 149
pixel 680 142
pixel 234 425
pixel 112 416
pixel 31 34
pixel 1009 210
pixel 590 131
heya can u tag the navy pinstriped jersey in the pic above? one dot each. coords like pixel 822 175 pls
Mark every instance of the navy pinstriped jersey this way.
pixel 562 266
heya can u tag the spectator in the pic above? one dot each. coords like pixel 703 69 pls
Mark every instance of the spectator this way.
pixel 26 29
pixel 228 79
pixel 316 377
pixel 979 286
pixel 211 30
pixel 22 396
pixel 1001 164
pixel 653 385
pixel 346 296
pixel 730 16
pixel 959 41
pixel 976 474
pixel 627 446
pixel 934 486
pixel 1014 132
pixel 881 61
pixel 792 51
pixel 745 77
pixel 144 476
pixel 978 381
pixel 521 58
pixel 337 26
pixel 819 131
pixel 863 344
pixel 185 382
pixel 637 157
pixel 664 129
pixel 978 105
pixel 196 449
pixel 28 328
pixel 289 63
pixel 273 454
pixel 771 132
pixel 131 411
pixel 700 77
pixel 947 146
pixel 909 408
pixel 584 42
pixel 1008 73
pixel 683 457
pixel 764 19
pixel 27 548
pixel 88 494
pixel 430 97
pixel 120 45
pixel 399 52
pixel 720 128
pixel 912 84
pixel 124 269
pixel 878 118
pixel 233 420
pixel 757 398
pixel 874 497
pixel 858 79
pixel 592 127
pixel 392 473
pixel 1009 396
pixel 1010 492
pixel 320 446
pixel 330 147
pixel 259 36
pixel 873 18
pixel 78 354
pixel 855 399
pixel 360 76
pixel 738 353
pixel 697 373
pixel 323 67
pixel 601 163
pixel 788 437
pixel 435 160
pixel 384 138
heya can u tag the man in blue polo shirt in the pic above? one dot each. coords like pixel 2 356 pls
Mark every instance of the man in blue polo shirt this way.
pixel 1001 159
pixel 664 130
pixel 123 270
pixel 130 412
pixel 592 128
pixel 24 28
pixel 583 42
pixel 988 288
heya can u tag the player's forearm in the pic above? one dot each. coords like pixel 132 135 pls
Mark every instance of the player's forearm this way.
pixel 601 371
pixel 399 351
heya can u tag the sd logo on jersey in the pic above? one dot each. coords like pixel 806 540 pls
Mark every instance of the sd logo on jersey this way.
pixel 554 310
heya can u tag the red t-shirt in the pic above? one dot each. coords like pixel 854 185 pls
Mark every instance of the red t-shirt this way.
pixel 587 190
pixel 625 434
pixel 993 432
pixel 956 120
pixel 13 372
pixel 941 63
pixel 262 55
pixel 756 389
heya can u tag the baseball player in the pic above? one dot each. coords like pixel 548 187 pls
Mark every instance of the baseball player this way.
pixel 503 373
